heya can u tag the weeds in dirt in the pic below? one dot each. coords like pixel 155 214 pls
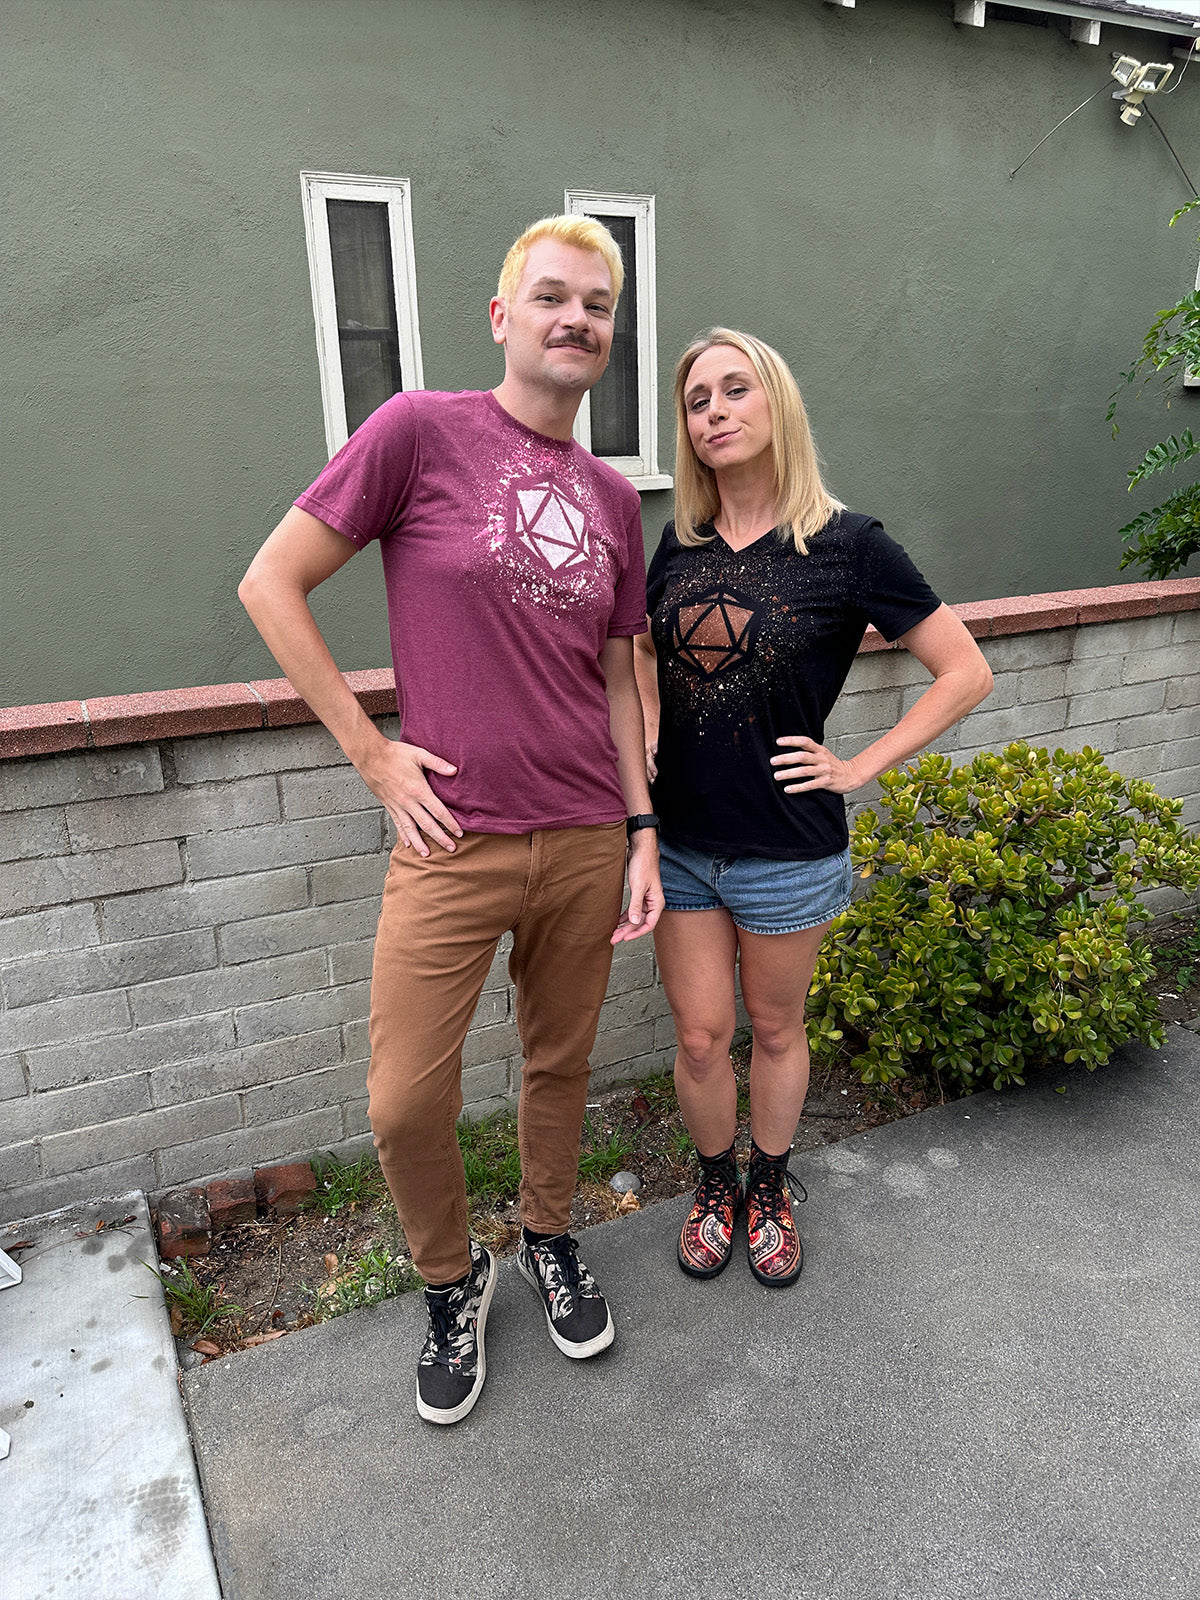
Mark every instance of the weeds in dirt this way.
pixel 199 1305
pixel 376 1275
pixel 604 1153
pixel 658 1093
pixel 346 1186
pixel 679 1143
pixel 1180 960
pixel 491 1159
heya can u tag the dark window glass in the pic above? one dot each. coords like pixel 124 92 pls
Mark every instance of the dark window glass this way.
pixel 363 290
pixel 615 397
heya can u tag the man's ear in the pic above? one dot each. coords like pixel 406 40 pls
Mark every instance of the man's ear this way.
pixel 498 312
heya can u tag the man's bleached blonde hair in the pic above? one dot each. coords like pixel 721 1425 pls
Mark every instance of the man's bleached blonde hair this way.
pixel 803 505
pixel 585 233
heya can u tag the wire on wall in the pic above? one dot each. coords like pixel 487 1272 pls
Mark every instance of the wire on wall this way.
pixel 1171 148
pixel 1058 125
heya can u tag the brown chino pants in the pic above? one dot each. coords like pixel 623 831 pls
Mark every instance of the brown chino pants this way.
pixel 559 891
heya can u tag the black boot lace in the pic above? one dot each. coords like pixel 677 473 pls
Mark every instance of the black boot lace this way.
pixel 718 1184
pixel 769 1181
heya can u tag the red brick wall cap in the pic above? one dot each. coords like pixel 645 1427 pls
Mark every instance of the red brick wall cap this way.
pixel 273 703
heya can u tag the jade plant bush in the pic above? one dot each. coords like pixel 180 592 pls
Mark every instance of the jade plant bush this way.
pixel 1000 929
pixel 1163 539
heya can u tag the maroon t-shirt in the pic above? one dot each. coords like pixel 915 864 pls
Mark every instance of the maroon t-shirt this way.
pixel 509 558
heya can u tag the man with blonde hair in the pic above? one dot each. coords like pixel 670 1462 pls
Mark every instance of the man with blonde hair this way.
pixel 516 582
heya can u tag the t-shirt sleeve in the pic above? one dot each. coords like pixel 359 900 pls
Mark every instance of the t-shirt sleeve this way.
pixel 656 578
pixel 629 601
pixel 892 593
pixel 363 491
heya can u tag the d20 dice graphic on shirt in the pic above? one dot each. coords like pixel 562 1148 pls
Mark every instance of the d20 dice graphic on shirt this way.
pixel 715 631
pixel 552 526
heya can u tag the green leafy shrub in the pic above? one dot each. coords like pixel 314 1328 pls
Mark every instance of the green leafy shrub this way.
pixel 1163 539
pixel 999 930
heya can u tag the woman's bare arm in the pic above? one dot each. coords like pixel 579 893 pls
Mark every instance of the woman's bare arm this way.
pixel 961 679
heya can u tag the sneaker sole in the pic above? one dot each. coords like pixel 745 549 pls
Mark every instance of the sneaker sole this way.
pixel 458 1412
pixel 577 1352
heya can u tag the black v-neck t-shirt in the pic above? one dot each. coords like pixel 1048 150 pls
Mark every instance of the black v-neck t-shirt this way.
pixel 753 644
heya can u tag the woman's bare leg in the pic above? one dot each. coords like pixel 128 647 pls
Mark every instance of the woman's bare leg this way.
pixel 697 953
pixel 777 971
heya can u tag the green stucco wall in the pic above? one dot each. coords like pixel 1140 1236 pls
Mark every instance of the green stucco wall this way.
pixel 837 181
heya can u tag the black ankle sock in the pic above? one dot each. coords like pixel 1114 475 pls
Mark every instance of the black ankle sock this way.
pixel 756 1151
pixel 712 1161
pixel 441 1288
pixel 538 1238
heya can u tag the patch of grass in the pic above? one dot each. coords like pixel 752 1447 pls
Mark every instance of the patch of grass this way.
pixel 491 1159
pixel 199 1305
pixel 604 1154
pixel 346 1186
pixel 659 1093
pixel 376 1275
pixel 679 1143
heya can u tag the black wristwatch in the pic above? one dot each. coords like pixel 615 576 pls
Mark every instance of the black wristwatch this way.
pixel 633 825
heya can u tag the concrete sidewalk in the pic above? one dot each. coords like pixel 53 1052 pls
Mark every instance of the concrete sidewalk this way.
pixel 986 1386
pixel 98 1498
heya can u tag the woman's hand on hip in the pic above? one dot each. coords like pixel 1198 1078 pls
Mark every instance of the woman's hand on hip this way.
pixel 809 765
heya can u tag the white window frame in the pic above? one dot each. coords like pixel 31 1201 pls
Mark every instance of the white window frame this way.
pixel 396 193
pixel 641 470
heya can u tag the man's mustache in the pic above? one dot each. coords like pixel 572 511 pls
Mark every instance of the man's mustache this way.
pixel 586 345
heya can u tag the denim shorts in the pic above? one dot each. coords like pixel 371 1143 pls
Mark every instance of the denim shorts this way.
pixel 761 895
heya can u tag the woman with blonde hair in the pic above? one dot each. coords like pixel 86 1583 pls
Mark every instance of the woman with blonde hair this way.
pixel 760 593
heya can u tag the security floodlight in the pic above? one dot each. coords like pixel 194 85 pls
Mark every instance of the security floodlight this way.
pixel 1154 75
pixel 1126 71
pixel 1137 79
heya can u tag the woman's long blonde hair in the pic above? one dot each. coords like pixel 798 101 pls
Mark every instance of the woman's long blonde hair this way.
pixel 803 505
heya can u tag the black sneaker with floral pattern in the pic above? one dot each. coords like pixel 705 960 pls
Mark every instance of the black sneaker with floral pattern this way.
pixel 451 1366
pixel 577 1314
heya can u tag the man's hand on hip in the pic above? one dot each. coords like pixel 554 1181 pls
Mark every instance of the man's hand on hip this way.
pixel 395 775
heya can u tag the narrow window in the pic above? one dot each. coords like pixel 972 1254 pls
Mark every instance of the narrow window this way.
pixel 360 260
pixel 618 421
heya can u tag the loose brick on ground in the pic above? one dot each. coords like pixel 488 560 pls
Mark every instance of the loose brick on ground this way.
pixel 283 1189
pixel 231 1200
pixel 184 1225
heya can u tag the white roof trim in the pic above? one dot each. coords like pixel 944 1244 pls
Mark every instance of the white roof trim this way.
pixel 1121 13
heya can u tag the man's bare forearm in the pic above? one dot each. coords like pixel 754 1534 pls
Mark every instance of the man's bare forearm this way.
pixel 289 630
pixel 625 722
pixel 301 553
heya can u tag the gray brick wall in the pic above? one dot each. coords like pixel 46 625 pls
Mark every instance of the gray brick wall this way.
pixel 185 928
